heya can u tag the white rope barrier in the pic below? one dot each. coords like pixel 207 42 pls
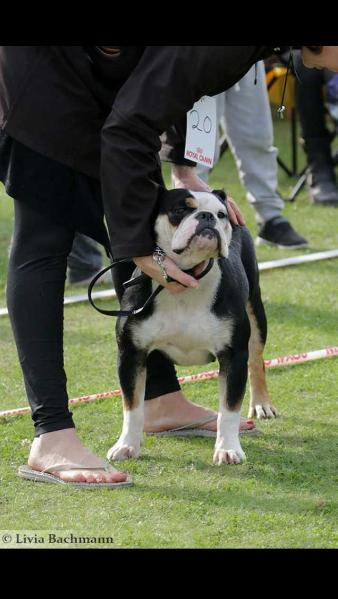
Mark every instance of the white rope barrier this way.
pixel 269 265
pixel 298 260
pixel 75 299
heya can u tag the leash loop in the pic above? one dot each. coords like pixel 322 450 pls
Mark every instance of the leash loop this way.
pixel 132 282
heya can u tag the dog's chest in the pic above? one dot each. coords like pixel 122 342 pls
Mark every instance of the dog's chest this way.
pixel 184 327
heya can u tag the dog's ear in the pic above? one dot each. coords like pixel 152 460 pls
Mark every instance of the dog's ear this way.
pixel 221 194
pixel 167 198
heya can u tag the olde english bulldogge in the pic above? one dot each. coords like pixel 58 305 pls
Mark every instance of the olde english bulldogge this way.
pixel 222 319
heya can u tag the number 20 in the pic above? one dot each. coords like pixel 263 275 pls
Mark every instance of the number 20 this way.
pixel 207 123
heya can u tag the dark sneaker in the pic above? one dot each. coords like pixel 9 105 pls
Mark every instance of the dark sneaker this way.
pixel 278 232
pixel 321 177
pixel 324 193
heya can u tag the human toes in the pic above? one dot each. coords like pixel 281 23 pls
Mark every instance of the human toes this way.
pixel 115 476
pixel 90 476
pixel 71 476
pixel 104 476
pixel 246 424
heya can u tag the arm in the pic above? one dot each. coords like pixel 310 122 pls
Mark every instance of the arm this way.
pixel 183 172
pixel 163 87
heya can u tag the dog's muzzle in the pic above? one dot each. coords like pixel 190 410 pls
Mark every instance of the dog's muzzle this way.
pixel 204 235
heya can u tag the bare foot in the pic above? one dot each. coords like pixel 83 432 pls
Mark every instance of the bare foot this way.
pixel 173 410
pixel 64 447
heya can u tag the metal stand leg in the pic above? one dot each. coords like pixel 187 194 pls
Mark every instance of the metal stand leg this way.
pixel 299 185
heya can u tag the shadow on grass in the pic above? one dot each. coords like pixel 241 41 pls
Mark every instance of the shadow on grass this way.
pixel 286 462
pixel 221 490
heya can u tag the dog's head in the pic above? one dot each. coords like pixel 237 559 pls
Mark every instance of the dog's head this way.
pixel 193 226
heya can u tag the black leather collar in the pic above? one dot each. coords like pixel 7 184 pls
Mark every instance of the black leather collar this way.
pixel 134 281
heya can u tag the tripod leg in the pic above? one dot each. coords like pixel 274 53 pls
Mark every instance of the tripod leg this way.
pixel 299 186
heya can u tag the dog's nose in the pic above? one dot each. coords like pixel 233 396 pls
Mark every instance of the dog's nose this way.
pixel 206 217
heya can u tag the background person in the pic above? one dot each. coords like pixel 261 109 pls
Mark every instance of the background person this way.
pixel 311 87
pixel 249 133
pixel 85 261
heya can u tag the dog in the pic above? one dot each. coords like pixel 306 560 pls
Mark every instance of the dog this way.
pixel 223 319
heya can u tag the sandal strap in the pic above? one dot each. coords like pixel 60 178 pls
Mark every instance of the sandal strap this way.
pixel 195 424
pixel 73 466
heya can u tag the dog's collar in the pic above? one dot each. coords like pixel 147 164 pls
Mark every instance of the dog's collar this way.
pixel 199 275
pixel 136 280
pixel 190 271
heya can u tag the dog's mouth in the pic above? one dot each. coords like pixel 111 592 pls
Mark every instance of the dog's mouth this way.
pixel 206 238
pixel 209 232
pixel 205 230
pixel 199 268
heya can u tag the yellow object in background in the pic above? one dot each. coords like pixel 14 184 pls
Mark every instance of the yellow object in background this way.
pixel 275 80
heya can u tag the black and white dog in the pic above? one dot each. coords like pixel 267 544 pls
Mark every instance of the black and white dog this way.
pixel 223 318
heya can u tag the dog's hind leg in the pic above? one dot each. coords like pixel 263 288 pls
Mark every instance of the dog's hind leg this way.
pixel 132 375
pixel 233 373
pixel 260 402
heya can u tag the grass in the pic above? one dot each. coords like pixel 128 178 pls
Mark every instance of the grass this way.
pixel 285 495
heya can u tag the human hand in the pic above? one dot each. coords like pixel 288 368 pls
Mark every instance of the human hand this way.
pixel 235 215
pixel 150 268
pixel 184 177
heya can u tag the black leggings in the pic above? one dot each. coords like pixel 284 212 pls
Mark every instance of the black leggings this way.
pixel 35 292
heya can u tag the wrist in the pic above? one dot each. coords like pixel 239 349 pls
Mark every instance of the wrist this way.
pixel 182 171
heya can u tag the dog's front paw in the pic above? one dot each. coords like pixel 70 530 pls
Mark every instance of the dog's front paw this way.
pixel 262 409
pixel 123 451
pixel 228 456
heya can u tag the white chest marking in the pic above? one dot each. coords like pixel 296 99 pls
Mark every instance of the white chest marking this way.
pixel 183 326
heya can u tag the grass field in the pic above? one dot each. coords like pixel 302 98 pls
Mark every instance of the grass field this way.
pixel 284 495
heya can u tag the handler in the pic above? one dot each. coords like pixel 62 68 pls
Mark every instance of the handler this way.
pixel 82 124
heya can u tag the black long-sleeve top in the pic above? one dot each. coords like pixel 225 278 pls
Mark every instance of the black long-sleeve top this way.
pixel 105 120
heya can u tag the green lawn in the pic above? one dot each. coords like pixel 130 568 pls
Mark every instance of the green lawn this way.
pixel 284 495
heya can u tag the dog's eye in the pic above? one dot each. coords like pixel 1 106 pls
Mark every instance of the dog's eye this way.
pixel 178 212
pixel 221 215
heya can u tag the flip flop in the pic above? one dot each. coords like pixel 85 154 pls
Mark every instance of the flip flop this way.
pixel 47 477
pixel 192 430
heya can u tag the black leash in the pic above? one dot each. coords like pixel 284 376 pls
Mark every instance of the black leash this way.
pixel 134 281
